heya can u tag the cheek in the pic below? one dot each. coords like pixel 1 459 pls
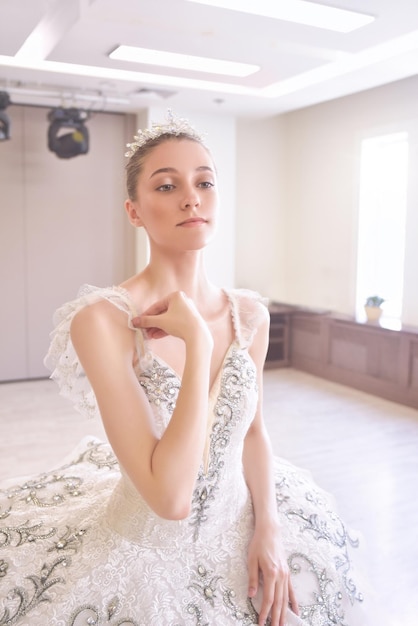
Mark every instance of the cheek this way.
pixel 153 217
pixel 215 205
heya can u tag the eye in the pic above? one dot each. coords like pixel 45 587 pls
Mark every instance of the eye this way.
pixel 165 187
pixel 206 184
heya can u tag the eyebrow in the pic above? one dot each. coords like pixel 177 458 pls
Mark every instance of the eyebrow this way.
pixel 172 170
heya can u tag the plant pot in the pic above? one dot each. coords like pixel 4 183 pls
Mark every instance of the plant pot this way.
pixel 373 313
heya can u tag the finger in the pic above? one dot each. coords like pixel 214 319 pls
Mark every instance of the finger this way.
pixel 148 321
pixel 155 333
pixel 145 321
pixel 285 605
pixel 268 600
pixel 158 307
pixel 278 613
pixel 137 322
pixel 161 306
pixel 151 325
pixel 252 578
pixel 292 599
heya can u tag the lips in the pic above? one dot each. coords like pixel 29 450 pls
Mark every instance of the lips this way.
pixel 192 221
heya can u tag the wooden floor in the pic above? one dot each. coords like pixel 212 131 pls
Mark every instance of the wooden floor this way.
pixel 362 449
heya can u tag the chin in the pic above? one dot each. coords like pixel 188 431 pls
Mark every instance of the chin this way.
pixel 196 247
pixel 200 241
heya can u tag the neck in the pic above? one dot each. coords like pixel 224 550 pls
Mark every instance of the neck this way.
pixel 184 272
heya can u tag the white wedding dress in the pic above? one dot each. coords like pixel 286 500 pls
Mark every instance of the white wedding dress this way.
pixel 79 546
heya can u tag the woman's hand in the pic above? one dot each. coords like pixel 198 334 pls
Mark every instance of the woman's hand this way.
pixel 174 315
pixel 267 562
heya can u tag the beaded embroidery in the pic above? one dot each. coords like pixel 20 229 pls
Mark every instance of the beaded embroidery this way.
pixel 161 385
pixel 89 614
pixel 22 600
pixel 237 376
pixel 326 609
pixel 53 489
pixel 337 536
pixel 210 590
pixel 23 533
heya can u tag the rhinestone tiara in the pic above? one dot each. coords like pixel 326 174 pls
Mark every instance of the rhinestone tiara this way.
pixel 174 126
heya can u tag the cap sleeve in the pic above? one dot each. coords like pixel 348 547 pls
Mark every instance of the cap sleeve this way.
pixel 62 359
pixel 249 310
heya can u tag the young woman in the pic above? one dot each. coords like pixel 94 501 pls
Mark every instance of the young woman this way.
pixel 184 520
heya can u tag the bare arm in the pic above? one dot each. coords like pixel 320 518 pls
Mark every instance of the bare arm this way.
pixel 164 470
pixel 258 458
pixel 265 553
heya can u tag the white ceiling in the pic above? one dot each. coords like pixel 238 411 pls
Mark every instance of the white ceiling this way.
pixel 300 65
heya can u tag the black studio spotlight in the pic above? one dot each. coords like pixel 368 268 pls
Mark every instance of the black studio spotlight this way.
pixel 4 118
pixel 68 144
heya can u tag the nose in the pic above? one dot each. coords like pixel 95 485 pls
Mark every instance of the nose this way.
pixel 191 199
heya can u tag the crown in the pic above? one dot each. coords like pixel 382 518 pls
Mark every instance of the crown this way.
pixel 174 126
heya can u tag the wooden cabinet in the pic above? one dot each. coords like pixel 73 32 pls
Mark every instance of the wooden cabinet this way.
pixel 371 357
pixel 366 356
pixel 278 350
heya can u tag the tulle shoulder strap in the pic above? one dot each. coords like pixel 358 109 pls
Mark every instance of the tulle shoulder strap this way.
pixel 62 359
pixel 249 310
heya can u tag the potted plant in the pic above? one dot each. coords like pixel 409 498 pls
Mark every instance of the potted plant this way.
pixel 373 308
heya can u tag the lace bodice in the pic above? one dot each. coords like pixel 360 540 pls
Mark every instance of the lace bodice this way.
pixel 247 311
pixel 231 407
pixel 232 404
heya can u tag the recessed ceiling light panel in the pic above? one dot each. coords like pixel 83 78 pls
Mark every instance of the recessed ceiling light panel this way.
pixel 297 11
pixel 182 61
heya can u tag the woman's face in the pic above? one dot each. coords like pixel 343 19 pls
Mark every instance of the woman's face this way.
pixel 177 197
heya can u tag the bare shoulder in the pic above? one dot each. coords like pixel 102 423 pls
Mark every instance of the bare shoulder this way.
pixel 101 312
pixel 252 308
pixel 261 311
pixel 255 322
pixel 99 322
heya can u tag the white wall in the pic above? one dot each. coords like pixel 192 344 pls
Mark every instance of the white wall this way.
pixel 319 173
pixel 260 227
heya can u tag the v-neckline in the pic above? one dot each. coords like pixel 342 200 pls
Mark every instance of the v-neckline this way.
pixel 145 342
pixel 218 374
pixel 143 346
